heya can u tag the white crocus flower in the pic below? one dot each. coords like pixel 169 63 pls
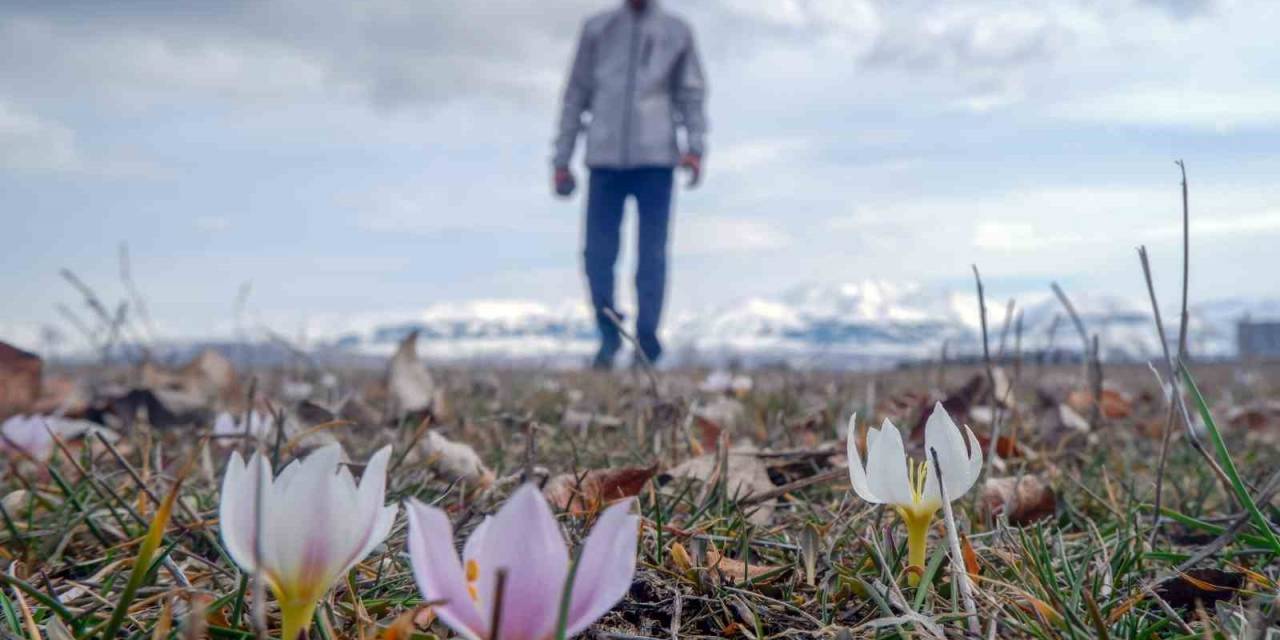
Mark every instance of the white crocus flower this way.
pixel 316 524
pixel 911 486
pixel 260 427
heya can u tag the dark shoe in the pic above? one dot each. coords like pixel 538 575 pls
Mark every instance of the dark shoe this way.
pixel 651 347
pixel 604 357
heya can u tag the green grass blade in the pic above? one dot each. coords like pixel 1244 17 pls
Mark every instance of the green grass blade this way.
pixel 1259 520
pixel 142 565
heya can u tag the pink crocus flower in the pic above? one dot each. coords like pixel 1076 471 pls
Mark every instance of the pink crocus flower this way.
pixel 524 540
pixel 29 435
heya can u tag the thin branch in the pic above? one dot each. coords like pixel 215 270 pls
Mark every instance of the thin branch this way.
pixel 135 296
pixel 1172 372
pixel 991 375
pixel 1167 436
pixel 959 573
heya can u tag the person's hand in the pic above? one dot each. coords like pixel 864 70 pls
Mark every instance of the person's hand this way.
pixel 563 182
pixel 693 163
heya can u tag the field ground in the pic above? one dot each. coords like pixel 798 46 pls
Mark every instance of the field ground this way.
pixel 758 537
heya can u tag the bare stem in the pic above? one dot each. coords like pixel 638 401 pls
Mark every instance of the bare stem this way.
pixel 958 571
pixel 1172 372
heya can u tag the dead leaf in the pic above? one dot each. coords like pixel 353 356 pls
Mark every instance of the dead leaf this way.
pixel 957 403
pixel 410 384
pixel 680 558
pixel 62 395
pixel 707 434
pixel 1006 447
pixel 596 488
pixel 1255 416
pixel 738 571
pixel 1206 585
pixel 746 475
pixel 1114 404
pixel 970 556
pixel 1022 500
pixel 202 382
pixel 158 408
pixel 212 372
pixel 1046 610
pixel 359 412
pixel 19 379
pixel 56 630
pixel 724 412
pixel 1002 393
pixel 454 460
pixel 402 627
pixel 1059 423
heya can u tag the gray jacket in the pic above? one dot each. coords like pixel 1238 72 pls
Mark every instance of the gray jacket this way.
pixel 639 78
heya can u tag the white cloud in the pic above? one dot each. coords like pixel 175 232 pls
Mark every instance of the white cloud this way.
pixel 753 155
pixel 1006 236
pixel 1265 223
pixel 1198 107
pixel 28 141
pixel 719 234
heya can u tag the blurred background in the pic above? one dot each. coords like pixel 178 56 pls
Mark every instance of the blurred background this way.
pixel 333 175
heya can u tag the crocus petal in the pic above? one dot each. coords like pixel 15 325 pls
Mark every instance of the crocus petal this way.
pixel 605 568
pixel 525 540
pixel 887 467
pixel 302 538
pixel 857 469
pixel 471 550
pixel 369 498
pixel 438 573
pixel 28 435
pixel 237 511
pixel 224 425
pixel 959 470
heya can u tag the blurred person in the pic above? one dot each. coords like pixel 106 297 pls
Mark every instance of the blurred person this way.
pixel 636 74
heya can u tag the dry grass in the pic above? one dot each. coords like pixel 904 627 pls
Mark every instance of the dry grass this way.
pixel 73 528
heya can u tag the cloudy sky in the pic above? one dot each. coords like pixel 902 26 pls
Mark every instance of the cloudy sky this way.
pixel 352 157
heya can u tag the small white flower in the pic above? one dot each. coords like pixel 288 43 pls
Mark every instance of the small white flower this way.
pixel 909 486
pixel 260 426
pixel 316 524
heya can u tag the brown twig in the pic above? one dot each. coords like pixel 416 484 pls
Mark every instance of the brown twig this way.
pixel 1172 372
pixel 1182 353
pixel 991 375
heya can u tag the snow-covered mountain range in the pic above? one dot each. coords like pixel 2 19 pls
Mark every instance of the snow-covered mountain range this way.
pixel 859 324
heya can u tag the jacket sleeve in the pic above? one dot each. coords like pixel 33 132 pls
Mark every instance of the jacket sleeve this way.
pixel 690 93
pixel 577 100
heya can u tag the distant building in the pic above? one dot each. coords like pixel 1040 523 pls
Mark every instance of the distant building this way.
pixel 1258 340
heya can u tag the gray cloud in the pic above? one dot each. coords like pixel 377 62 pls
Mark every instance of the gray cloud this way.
pixel 1184 8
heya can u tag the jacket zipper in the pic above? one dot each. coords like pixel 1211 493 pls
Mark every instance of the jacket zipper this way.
pixel 631 91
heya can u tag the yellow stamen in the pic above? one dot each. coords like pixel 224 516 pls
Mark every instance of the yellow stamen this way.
pixel 917 474
pixel 473 574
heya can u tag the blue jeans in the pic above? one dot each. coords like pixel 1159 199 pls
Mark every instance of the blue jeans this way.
pixel 607 192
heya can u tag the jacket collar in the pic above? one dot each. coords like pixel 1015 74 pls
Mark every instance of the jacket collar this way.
pixel 649 11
